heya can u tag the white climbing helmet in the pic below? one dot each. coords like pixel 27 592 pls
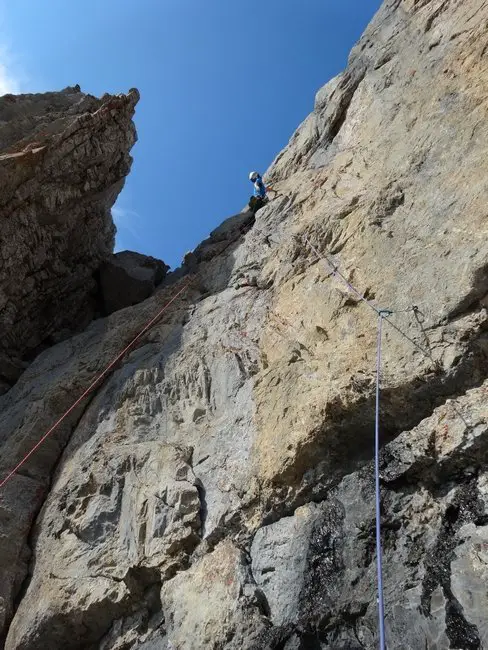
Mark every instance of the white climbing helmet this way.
pixel 253 176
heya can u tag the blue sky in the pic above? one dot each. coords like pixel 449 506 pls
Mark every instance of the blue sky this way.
pixel 223 83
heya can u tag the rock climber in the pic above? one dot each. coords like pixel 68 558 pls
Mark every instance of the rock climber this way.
pixel 260 197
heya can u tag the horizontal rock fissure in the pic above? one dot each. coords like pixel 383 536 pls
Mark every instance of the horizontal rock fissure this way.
pixel 348 431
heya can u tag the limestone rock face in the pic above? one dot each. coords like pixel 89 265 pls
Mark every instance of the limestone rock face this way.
pixel 63 160
pixel 216 491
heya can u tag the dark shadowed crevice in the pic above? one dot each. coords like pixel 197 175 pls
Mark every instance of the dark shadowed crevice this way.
pixel 466 507
pixel 344 103
pixel 470 303
pixel 203 505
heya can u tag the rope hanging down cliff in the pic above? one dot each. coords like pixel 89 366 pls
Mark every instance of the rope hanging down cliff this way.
pixel 379 551
pixel 382 314
pixel 95 383
pixel 100 378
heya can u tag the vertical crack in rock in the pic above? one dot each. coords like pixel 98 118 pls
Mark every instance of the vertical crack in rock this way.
pixel 203 505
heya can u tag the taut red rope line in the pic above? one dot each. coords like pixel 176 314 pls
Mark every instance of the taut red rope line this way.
pixel 94 384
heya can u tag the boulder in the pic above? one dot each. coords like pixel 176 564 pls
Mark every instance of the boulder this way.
pixel 128 278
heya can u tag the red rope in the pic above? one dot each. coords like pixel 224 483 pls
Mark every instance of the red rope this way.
pixel 93 385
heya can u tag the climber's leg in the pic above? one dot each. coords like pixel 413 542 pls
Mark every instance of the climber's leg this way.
pixel 256 203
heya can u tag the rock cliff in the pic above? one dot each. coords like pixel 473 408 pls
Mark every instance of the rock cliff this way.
pixel 63 160
pixel 217 490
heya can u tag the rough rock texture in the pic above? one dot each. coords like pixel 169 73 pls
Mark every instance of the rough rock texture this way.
pixel 128 278
pixel 63 160
pixel 217 490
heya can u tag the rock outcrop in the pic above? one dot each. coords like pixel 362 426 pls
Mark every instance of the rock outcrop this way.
pixel 128 278
pixel 63 160
pixel 217 490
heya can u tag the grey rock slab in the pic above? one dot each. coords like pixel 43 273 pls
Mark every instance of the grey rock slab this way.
pixel 279 559
pixel 144 500
pixel 208 605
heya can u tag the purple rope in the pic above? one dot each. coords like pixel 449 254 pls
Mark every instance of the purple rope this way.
pixel 383 314
pixel 379 551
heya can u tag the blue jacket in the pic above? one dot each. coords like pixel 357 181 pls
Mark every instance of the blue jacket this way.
pixel 259 188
